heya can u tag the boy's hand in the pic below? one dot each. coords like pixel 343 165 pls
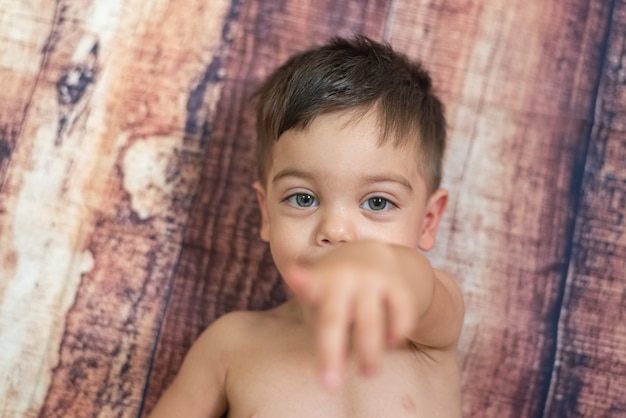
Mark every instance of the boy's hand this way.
pixel 363 303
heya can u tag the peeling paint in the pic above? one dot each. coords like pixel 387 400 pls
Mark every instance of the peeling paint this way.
pixel 148 174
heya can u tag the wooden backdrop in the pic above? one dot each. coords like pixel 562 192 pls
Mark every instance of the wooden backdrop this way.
pixel 128 222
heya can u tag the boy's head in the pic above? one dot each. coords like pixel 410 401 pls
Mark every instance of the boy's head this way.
pixel 361 75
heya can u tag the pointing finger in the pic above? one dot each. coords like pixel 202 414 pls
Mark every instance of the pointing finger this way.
pixel 369 329
pixel 333 325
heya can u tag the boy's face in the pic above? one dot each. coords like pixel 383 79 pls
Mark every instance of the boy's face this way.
pixel 333 183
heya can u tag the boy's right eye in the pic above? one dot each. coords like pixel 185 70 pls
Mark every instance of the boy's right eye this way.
pixel 302 200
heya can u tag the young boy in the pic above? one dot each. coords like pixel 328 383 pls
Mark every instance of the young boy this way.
pixel 351 138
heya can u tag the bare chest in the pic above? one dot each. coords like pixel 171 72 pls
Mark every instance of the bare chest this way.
pixel 284 383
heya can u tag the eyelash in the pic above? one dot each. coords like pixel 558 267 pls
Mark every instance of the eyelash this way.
pixel 293 200
pixel 388 204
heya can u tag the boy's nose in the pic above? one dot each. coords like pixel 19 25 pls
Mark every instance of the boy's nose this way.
pixel 335 228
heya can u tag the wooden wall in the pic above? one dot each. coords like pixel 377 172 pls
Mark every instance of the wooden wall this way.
pixel 128 224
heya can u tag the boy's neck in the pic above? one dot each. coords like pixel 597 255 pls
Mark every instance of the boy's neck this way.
pixel 302 314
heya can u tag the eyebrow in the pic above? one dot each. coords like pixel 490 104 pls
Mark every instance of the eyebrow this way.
pixel 378 178
pixel 389 178
pixel 291 172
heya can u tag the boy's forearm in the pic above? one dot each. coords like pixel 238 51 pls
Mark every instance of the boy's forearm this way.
pixel 439 301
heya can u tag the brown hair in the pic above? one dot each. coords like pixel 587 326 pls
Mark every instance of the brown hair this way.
pixel 356 73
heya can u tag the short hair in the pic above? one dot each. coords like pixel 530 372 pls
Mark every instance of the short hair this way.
pixel 356 73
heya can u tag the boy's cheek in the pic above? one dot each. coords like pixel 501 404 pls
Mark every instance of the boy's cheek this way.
pixel 287 250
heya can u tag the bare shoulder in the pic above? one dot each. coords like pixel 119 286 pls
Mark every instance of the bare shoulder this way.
pixel 234 333
pixel 238 326
pixel 199 389
pixel 211 352
pixel 453 288
pixel 229 329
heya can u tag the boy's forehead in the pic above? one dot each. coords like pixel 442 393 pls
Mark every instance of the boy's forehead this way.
pixel 366 123
pixel 368 120
pixel 343 142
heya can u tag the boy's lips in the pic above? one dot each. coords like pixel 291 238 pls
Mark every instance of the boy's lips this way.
pixel 307 262
pixel 311 258
pixel 304 263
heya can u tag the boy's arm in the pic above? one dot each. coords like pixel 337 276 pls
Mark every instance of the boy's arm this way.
pixel 198 390
pixel 367 295
pixel 440 304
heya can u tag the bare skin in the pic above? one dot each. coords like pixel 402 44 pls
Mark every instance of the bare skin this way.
pixel 270 366
pixel 372 328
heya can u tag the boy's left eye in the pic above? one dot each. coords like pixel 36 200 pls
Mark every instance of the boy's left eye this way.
pixel 376 204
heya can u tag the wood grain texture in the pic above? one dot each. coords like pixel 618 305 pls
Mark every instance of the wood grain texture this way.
pixel 224 266
pixel 110 331
pixel 128 223
pixel 99 187
pixel 40 215
pixel 518 78
pixel 590 362
pixel 21 60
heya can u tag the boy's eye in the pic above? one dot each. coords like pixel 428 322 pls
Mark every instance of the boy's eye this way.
pixel 376 204
pixel 302 200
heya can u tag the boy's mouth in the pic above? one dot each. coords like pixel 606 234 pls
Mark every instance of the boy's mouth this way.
pixel 306 264
pixel 311 259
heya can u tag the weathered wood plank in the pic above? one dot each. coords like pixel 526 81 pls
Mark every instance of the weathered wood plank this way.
pixel 40 216
pixel 126 158
pixel 518 78
pixel 224 266
pixel 161 90
pixel 24 31
pixel 588 377
pixel 95 200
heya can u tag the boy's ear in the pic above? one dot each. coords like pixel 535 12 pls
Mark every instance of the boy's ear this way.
pixel 435 207
pixel 264 231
